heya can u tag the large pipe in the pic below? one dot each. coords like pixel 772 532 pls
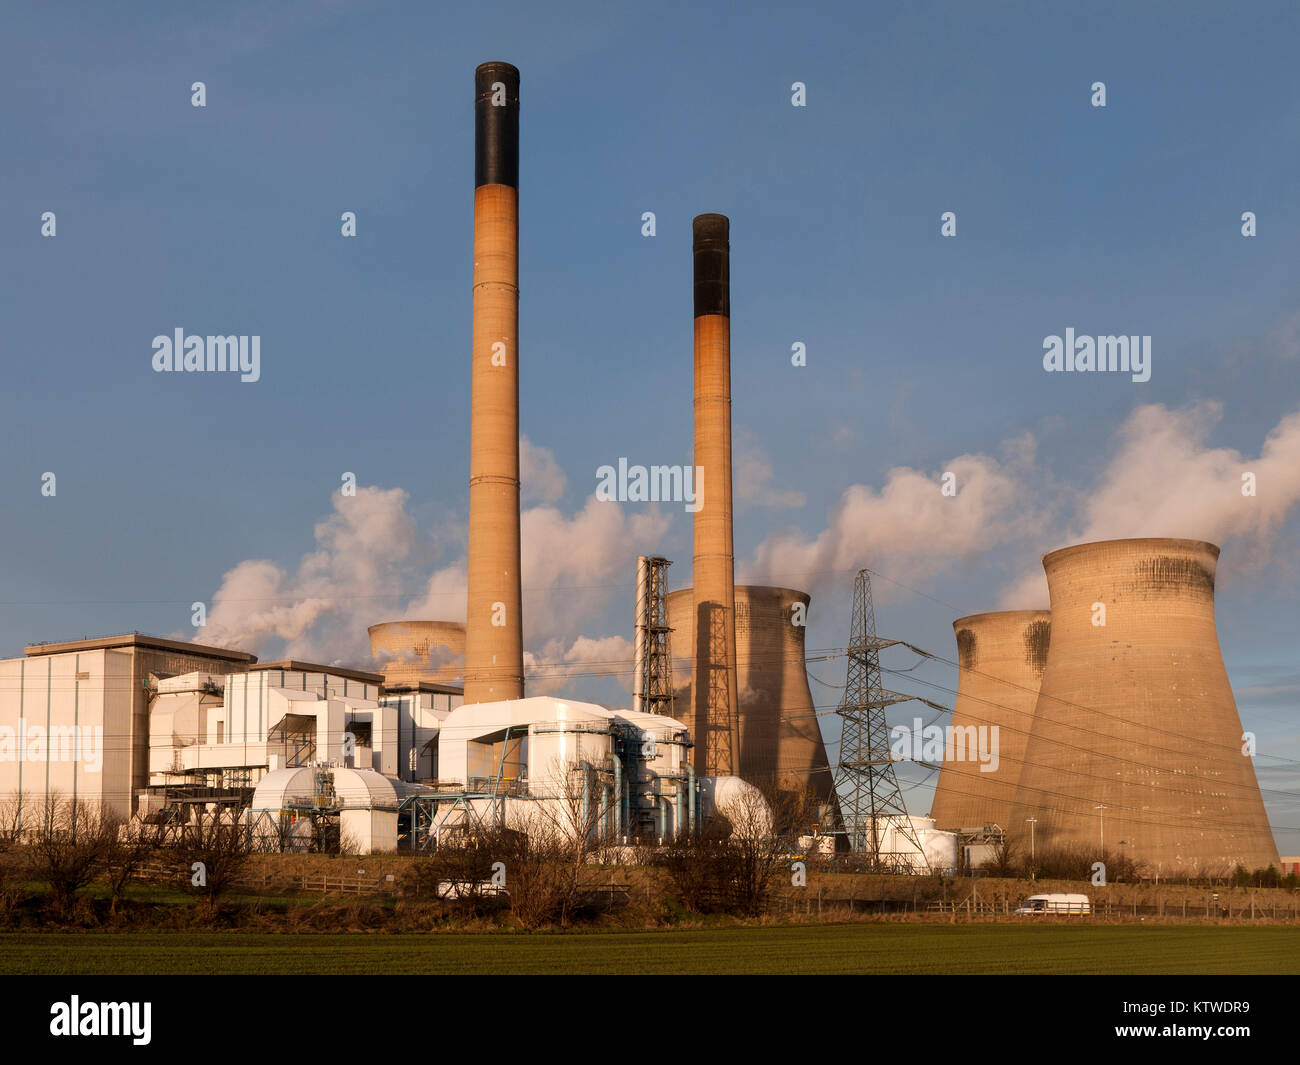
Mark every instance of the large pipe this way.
pixel 618 795
pixel 714 715
pixel 692 799
pixel 494 662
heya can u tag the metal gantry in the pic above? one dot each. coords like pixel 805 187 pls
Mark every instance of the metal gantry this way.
pixel 713 718
pixel 865 782
pixel 657 682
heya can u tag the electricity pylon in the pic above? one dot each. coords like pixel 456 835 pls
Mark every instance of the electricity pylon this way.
pixel 865 783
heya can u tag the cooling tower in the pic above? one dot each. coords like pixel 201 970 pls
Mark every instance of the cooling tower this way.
pixel 412 651
pixel 1000 659
pixel 1136 715
pixel 494 664
pixel 713 677
pixel 779 737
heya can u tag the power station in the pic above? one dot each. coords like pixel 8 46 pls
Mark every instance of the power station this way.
pixel 1110 715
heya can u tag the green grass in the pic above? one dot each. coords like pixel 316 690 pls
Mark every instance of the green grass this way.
pixel 848 948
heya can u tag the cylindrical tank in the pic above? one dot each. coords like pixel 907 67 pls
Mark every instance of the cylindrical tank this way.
pixel 713 692
pixel 779 735
pixel 494 657
pixel 1136 746
pixel 412 651
pixel 1000 660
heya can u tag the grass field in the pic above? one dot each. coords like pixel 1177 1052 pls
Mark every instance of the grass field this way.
pixel 848 948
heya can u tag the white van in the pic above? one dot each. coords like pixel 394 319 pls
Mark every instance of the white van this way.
pixel 1055 904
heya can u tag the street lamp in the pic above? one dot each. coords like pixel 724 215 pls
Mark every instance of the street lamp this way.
pixel 1031 821
pixel 1102 808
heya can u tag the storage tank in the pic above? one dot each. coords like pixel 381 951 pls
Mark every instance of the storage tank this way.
pixel 412 651
pixel 779 735
pixel 1135 715
pixel 1000 662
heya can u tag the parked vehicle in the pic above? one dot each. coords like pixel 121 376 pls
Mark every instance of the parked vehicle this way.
pixel 1057 903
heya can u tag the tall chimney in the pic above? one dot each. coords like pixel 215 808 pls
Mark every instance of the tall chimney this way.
pixel 713 679
pixel 494 663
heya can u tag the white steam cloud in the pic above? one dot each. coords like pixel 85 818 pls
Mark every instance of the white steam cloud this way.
pixel 908 527
pixel 541 479
pixel 556 667
pixel 1164 480
pixel 364 551
pixel 368 560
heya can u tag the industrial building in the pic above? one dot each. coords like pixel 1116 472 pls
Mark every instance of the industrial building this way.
pixel 143 724
pixel 1136 745
pixel 317 754
pixel 544 763
pixel 1000 659
pixel 74 716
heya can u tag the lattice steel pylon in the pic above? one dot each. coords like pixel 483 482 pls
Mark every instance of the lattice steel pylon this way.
pixel 865 783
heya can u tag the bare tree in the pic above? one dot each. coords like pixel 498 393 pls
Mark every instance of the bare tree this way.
pixel 733 863
pixel 215 851
pixel 127 845
pixel 12 810
pixel 537 880
pixel 69 842
pixel 555 836
pixel 459 872
pixel 10 836
pixel 1003 861
pixel 760 843
pixel 697 868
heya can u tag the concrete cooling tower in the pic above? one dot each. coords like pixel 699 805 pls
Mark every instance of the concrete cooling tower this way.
pixel 494 654
pixel 1000 659
pixel 412 651
pixel 1135 715
pixel 778 735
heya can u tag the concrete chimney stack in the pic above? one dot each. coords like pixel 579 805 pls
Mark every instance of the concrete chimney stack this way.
pixel 494 664
pixel 713 719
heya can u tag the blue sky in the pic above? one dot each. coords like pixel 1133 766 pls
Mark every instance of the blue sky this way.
pixel 920 349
